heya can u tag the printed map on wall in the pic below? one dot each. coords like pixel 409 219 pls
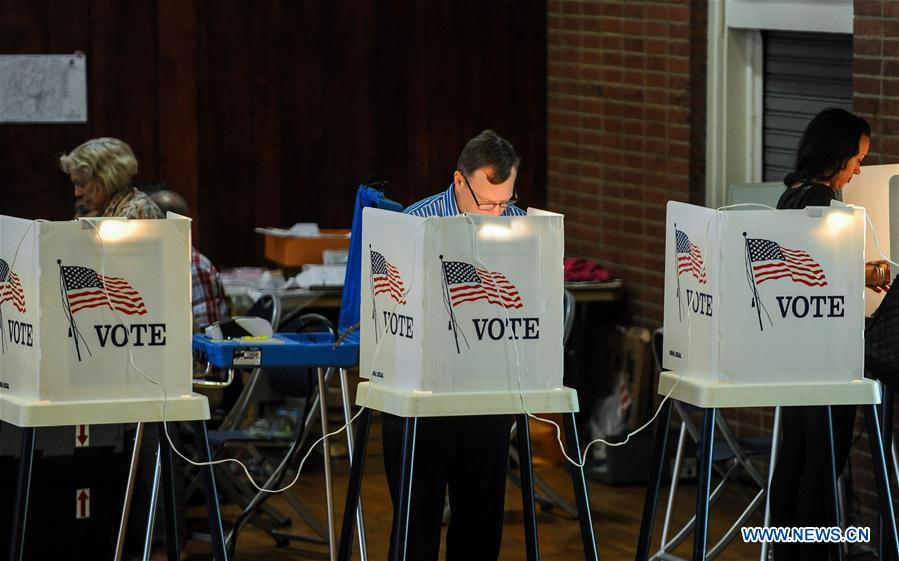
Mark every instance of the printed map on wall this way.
pixel 43 88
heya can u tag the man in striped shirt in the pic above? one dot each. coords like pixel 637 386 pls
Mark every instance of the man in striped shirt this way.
pixel 467 454
pixel 481 187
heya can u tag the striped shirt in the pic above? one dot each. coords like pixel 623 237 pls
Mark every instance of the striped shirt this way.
pixel 444 204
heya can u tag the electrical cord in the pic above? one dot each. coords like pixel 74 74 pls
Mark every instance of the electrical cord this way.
pixel 221 461
pixel 582 456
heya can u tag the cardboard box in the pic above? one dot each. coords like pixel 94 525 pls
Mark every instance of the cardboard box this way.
pixel 640 370
pixel 298 251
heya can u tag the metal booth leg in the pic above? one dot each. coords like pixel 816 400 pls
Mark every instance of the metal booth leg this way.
pixel 167 464
pixel 886 423
pixel 23 488
pixel 833 490
pixel 354 485
pixel 212 501
pixel 672 490
pixel 700 531
pixel 154 500
pixel 580 490
pixel 129 491
pixel 404 502
pixel 659 454
pixel 527 488
pixel 775 444
pixel 347 415
pixel 883 482
pixel 326 453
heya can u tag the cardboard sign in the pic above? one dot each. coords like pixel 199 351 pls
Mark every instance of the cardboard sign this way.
pixel 764 296
pixel 77 296
pixel 462 304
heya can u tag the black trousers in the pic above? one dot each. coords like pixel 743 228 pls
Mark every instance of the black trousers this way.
pixel 468 454
pixel 800 489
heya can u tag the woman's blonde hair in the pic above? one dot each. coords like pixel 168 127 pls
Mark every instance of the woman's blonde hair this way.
pixel 108 160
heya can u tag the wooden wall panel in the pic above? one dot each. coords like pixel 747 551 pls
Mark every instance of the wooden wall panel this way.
pixel 24 174
pixel 327 110
pixel 177 102
pixel 266 32
pixel 124 82
pixel 70 22
pixel 272 112
pixel 227 79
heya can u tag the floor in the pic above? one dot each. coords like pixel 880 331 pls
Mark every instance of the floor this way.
pixel 616 517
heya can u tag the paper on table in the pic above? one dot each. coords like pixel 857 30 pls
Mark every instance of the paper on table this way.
pixel 299 230
pixel 321 276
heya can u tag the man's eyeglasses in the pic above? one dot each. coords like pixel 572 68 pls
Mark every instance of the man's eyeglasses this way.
pixel 490 206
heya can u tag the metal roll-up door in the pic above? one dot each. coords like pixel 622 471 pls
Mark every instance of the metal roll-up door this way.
pixel 804 73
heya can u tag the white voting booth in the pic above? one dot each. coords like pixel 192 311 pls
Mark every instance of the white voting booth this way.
pixel 76 297
pixel 765 307
pixel 871 189
pixel 462 315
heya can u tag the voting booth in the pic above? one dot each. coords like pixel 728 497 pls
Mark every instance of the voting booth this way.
pixel 78 300
pixel 463 314
pixel 765 307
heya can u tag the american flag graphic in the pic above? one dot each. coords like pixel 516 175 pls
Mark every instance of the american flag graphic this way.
pixel 85 288
pixel 771 261
pixel 467 283
pixel 689 258
pixel 386 278
pixel 11 287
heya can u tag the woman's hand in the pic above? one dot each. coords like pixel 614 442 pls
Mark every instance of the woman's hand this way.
pixel 877 275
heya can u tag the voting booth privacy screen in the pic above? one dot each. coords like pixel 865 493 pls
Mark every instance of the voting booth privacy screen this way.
pixel 463 303
pixel 76 297
pixel 764 296
pixel 871 189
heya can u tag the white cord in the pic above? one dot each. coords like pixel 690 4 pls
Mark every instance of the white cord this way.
pixel 582 455
pixel 867 218
pixel 165 395
pixel 877 242
pixel 741 205
pixel 582 459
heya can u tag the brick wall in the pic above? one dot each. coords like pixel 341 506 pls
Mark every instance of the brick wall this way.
pixel 626 126
pixel 875 74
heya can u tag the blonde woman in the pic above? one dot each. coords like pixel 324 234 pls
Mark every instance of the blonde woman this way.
pixel 101 170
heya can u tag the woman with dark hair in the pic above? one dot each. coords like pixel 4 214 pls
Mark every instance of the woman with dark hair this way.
pixel 831 150
pixel 830 153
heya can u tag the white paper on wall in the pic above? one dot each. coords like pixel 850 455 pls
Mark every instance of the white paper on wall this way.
pixel 43 88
